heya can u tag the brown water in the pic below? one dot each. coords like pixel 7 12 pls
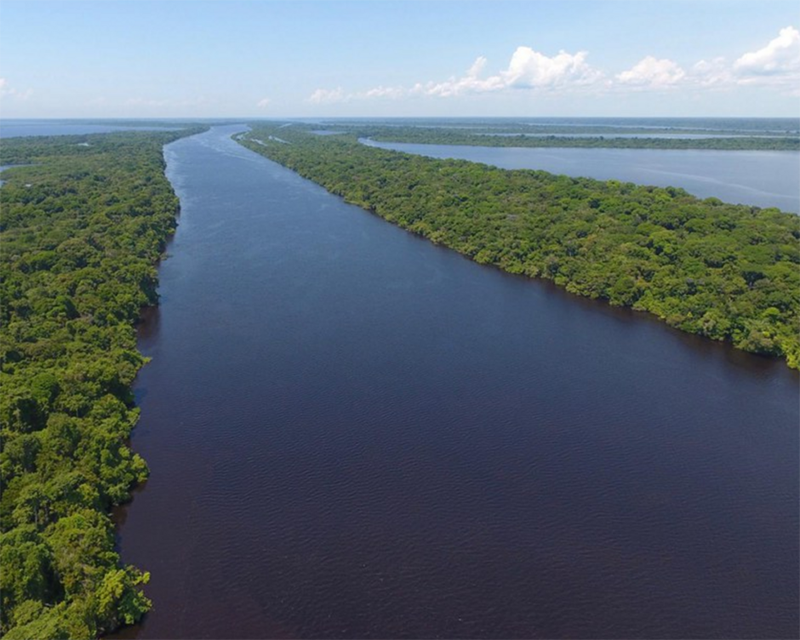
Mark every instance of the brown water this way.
pixel 355 433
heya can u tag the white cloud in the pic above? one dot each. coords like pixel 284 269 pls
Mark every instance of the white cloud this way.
pixel 328 96
pixel 382 92
pixel 710 73
pixel 530 69
pixel 469 83
pixel 12 92
pixel 654 73
pixel 264 102
pixel 777 64
pixel 780 57
pixel 332 96
pixel 477 67
pixel 527 69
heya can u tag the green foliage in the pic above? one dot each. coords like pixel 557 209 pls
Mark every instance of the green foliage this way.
pixel 82 229
pixel 442 135
pixel 728 272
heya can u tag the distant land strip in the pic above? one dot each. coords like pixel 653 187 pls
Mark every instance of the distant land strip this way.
pixel 452 136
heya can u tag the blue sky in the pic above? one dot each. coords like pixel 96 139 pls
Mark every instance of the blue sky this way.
pixel 250 58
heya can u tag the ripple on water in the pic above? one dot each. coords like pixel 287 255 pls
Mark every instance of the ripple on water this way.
pixel 354 433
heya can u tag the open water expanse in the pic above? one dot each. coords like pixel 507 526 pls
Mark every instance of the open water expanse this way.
pixel 761 178
pixel 653 134
pixel 354 433
pixel 21 128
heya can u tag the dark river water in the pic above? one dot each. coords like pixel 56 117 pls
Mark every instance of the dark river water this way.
pixel 760 178
pixel 354 433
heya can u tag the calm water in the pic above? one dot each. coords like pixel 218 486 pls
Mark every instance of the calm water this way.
pixel 761 178
pixel 782 126
pixel 655 134
pixel 20 128
pixel 754 125
pixel 354 433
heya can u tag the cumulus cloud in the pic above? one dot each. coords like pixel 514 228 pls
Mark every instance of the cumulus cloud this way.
pixel 327 96
pixel 6 90
pixel 382 92
pixel 653 73
pixel 708 73
pixel 777 64
pixel 471 82
pixel 527 69
pixel 332 96
pixel 530 69
pixel 264 102
pixel 781 56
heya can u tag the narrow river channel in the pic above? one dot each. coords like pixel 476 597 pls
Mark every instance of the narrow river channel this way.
pixel 353 433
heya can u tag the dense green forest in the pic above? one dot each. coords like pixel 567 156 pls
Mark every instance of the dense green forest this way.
pixel 82 229
pixel 449 135
pixel 728 272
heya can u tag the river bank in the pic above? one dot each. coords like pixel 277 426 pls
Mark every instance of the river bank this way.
pixel 355 433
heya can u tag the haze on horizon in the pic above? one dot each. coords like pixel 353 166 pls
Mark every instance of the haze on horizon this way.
pixel 146 59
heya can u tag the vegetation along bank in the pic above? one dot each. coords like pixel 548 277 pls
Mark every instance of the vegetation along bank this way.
pixel 420 135
pixel 727 272
pixel 82 229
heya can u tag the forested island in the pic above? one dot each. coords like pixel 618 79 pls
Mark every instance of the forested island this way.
pixel 677 127
pixel 604 140
pixel 727 272
pixel 83 227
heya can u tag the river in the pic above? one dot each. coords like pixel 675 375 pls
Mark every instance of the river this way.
pixel 355 433
pixel 760 178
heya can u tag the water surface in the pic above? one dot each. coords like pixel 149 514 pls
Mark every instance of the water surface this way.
pixel 655 134
pixel 354 433
pixel 761 178
pixel 20 128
